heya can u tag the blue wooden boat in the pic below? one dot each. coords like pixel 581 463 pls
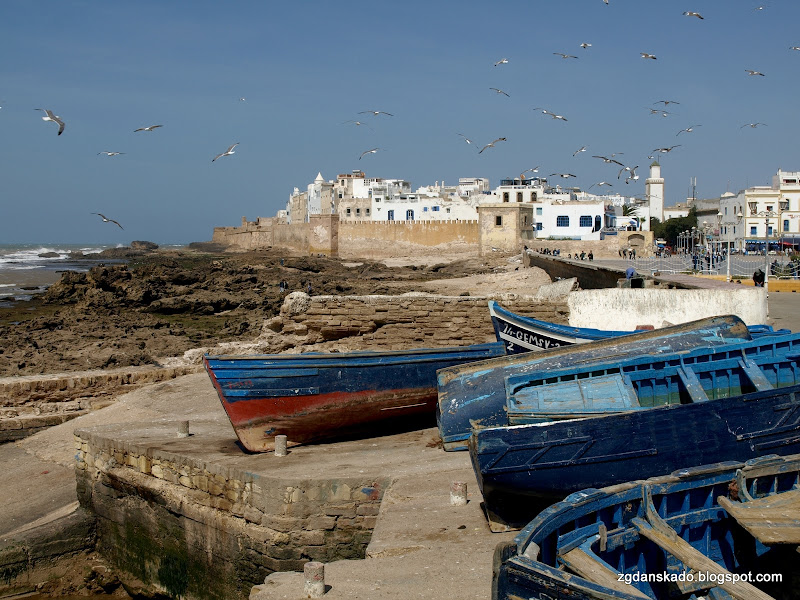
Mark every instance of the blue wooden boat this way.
pixel 692 535
pixel 525 334
pixel 474 395
pixel 731 410
pixel 646 381
pixel 315 396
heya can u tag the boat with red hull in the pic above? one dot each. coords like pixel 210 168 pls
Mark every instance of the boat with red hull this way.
pixel 316 397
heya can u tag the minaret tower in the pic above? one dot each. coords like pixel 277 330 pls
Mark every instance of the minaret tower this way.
pixel 654 191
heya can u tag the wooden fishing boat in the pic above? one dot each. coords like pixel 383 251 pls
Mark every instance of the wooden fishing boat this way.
pixel 709 532
pixel 526 334
pixel 315 396
pixel 676 416
pixel 474 395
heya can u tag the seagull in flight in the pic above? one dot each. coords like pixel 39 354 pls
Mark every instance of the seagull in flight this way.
pixel 502 61
pixel 667 149
pixel 375 112
pixel 658 111
pixel 607 160
pixel 242 99
pixel 631 173
pixel 49 116
pixel 356 123
pixel 688 129
pixel 750 72
pixel 585 45
pixel 499 91
pixel 666 102
pixel 753 125
pixel 601 184
pixel 794 47
pixel 582 149
pixel 107 153
pixel 107 220
pixel 466 139
pixel 547 112
pixel 150 128
pixel 562 175
pixel 690 13
pixel 562 55
pixel 646 55
pixel 227 152
pixel 373 151
pixel 491 144
pixel 533 170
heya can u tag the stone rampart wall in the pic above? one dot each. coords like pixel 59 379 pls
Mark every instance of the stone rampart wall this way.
pixel 31 403
pixel 200 530
pixel 395 238
pixel 399 322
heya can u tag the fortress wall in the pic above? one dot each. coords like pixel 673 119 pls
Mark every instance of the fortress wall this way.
pixel 398 322
pixel 393 238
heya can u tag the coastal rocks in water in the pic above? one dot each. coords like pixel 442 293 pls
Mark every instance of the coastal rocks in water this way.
pixel 49 255
pixel 146 246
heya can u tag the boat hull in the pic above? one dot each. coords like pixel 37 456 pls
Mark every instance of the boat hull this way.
pixel 317 397
pixel 597 543
pixel 551 460
pixel 474 395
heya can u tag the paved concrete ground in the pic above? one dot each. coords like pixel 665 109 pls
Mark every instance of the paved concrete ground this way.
pixel 422 547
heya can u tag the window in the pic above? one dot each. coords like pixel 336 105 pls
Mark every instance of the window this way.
pixel 390 215
pixel 538 226
pixel 524 220
pixel 539 211
pixel 435 209
pixel 448 210
pixel 786 224
pixel 424 209
pixel 598 223
pixel 498 221
pixel 769 208
pixel 585 221
pixel 409 215
pixel 562 221
pixel 348 212
pixel 753 231
pixel 769 230
pixel 341 195
pixel 534 196
pixel 505 196
pixel 519 196
pixel 366 211
pixel 358 212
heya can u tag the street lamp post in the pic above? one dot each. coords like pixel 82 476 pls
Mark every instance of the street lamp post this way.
pixel 738 220
pixel 767 214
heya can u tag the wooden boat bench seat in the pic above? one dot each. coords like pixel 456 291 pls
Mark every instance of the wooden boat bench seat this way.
pixel 586 564
pixel 666 538
pixel 773 519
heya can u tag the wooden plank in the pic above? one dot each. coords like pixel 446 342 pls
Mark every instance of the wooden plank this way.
pixel 666 538
pixel 755 374
pixel 590 568
pixel 693 385
pixel 773 519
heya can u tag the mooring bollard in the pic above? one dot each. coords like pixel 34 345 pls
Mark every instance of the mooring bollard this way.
pixel 183 429
pixel 458 493
pixel 314 579
pixel 280 445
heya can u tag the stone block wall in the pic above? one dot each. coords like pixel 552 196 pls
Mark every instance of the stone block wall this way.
pixel 193 529
pixel 398 322
pixel 32 403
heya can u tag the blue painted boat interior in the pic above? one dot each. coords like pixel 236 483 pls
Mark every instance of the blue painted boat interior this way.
pixel 607 526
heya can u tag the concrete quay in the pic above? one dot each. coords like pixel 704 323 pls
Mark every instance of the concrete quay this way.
pixel 420 546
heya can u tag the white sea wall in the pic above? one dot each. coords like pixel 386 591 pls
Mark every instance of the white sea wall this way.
pixel 625 309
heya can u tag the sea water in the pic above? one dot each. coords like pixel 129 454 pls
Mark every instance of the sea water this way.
pixel 24 272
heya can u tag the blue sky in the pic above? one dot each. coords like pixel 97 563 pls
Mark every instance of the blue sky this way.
pixel 305 68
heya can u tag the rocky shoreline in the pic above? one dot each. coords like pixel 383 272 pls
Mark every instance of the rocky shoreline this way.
pixel 161 303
